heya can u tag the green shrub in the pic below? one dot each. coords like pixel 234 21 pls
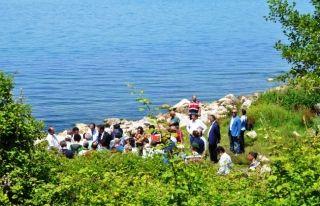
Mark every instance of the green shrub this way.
pixel 290 98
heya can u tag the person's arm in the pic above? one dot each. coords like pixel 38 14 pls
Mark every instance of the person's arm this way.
pixel 188 128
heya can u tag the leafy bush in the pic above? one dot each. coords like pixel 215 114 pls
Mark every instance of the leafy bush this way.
pixel 290 99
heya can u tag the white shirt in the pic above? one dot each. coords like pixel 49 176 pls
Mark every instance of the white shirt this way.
pixel 82 152
pixel 147 151
pixel 196 125
pixel 95 136
pixel 205 142
pixel 225 164
pixel 172 138
pixel 243 119
pixel 52 141
pixel 211 127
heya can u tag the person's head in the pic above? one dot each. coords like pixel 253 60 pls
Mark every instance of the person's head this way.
pixel 152 126
pixel 118 135
pixel 70 132
pixel 116 126
pixel 212 118
pixel 88 136
pixel 101 128
pixel 252 156
pixel 68 138
pixel 194 98
pixel 94 145
pixel 234 112
pixel 140 130
pixel 103 143
pixel 145 141
pixel 77 137
pixel 75 130
pixel 126 139
pixel 244 112
pixel 220 150
pixel 195 134
pixel 132 142
pixel 92 126
pixel 51 130
pixel 193 116
pixel 86 145
pixel 116 141
pixel 63 144
pixel 172 114
pixel 127 148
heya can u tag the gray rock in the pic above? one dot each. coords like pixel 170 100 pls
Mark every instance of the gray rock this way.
pixel 112 121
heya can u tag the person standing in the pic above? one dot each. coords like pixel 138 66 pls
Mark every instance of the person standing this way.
pixel 104 137
pixel 52 139
pixel 214 137
pixel 195 124
pixel 93 132
pixel 194 106
pixel 174 120
pixel 243 120
pixel 234 129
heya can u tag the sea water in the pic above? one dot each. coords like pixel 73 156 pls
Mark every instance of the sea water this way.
pixel 75 57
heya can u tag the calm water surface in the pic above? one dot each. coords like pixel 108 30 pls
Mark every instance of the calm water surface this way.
pixel 74 57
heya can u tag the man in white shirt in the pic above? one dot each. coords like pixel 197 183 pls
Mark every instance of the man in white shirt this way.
pixel 93 132
pixel 195 124
pixel 224 162
pixel 52 139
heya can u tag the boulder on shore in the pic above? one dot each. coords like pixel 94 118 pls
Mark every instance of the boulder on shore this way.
pixel 112 121
pixel 181 107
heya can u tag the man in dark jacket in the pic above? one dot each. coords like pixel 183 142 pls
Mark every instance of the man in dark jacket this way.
pixel 104 137
pixel 214 137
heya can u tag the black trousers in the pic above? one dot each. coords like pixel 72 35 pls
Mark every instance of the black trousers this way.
pixel 241 141
pixel 213 153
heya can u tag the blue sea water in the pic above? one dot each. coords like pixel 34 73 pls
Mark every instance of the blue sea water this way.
pixel 74 57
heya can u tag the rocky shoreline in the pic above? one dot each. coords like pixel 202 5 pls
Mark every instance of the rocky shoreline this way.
pixel 219 108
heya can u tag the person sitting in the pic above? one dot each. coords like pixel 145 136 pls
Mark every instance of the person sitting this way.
pixel 200 142
pixel 67 153
pixel 224 162
pixel 103 145
pixel 178 134
pixel 76 147
pixel 68 140
pixel 117 147
pixel 94 148
pixel 127 148
pixel 195 157
pixel 253 158
pixel 85 148
pixel 147 149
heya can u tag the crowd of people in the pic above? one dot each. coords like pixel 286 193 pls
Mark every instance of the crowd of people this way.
pixel 149 142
